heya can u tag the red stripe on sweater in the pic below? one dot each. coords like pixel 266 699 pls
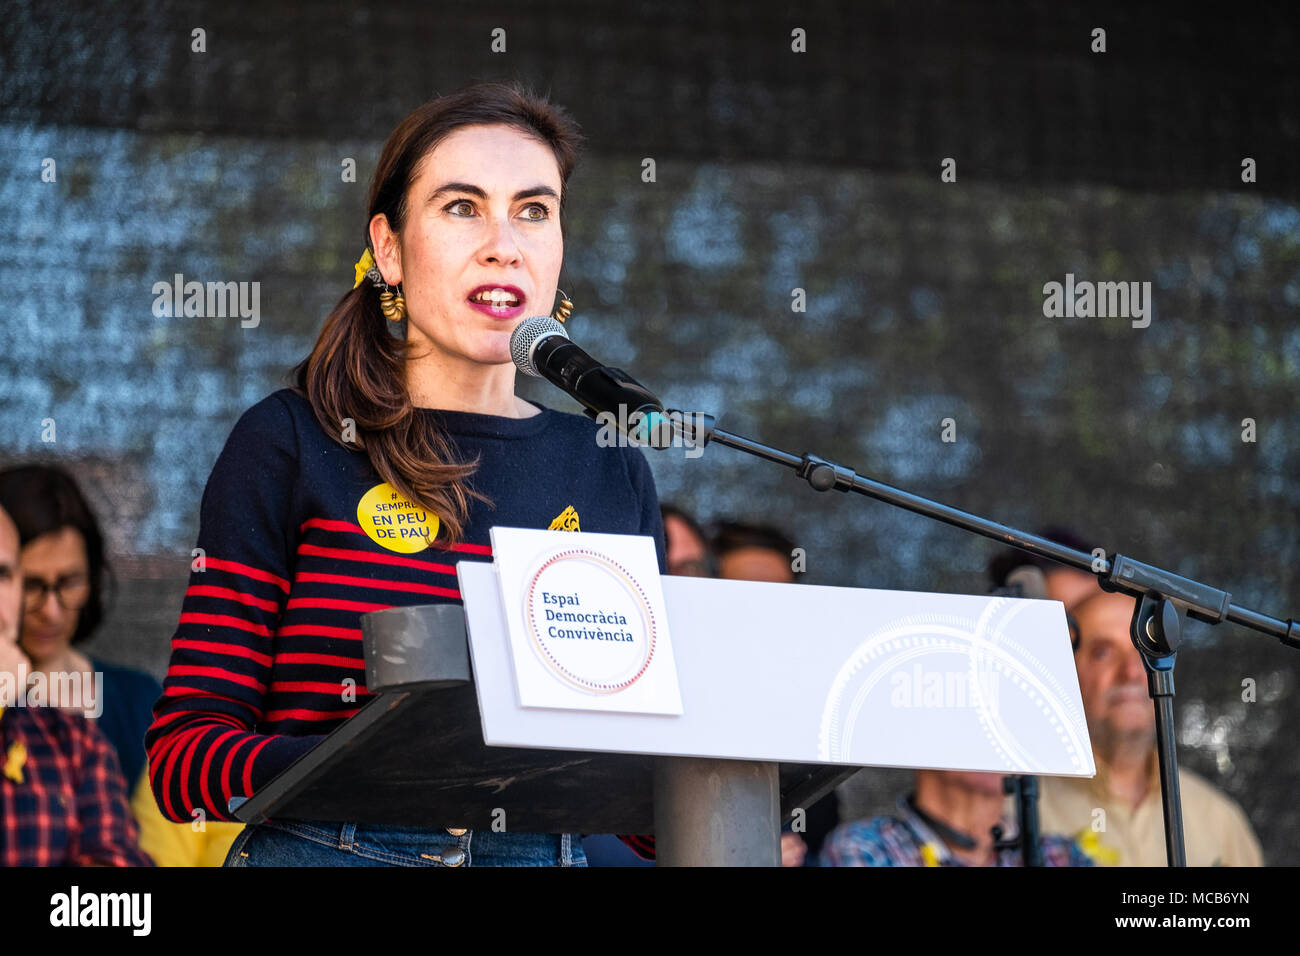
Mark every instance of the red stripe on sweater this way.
pixel 350 554
pixel 319 630
pixel 380 583
pixel 185 771
pixel 330 660
pixel 243 597
pixel 225 620
pixel 234 567
pixel 333 688
pixel 229 650
pixel 170 765
pixel 216 673
pixel 185 691
pixel 166 719
pixel 204 791
pixel 225 775
pixel 163 744
pixel 302 713
pixel 336 604
pixel 327 524
pixel 469 548
pixel 248 767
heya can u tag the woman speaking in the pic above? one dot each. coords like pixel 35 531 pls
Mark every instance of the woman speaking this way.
pixel 405 407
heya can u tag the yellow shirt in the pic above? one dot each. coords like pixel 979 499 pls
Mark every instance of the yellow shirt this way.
pixel 1215 830
pixel 179 844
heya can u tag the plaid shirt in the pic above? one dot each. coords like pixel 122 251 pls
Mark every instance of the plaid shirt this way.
pixel 62 798
pixel 906 840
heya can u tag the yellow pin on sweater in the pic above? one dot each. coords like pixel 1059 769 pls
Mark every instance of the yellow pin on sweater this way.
pixel 15 760
pixel 566 520
pixel 1100 854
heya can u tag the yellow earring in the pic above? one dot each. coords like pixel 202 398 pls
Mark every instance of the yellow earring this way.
pixel 393 305
pixel 563 310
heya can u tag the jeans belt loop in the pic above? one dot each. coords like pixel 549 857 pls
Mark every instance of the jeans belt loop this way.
pixel 347 836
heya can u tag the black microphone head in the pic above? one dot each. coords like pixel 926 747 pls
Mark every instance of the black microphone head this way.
pixel 525 337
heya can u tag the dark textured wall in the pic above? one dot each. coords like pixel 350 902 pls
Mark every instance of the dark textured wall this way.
pixel 775 171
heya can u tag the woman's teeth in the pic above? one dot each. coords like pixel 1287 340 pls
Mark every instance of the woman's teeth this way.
pixel 495 297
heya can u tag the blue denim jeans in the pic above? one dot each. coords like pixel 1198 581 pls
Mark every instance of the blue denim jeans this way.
pixel 329 843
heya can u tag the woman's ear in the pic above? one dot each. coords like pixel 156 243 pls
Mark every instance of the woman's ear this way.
pixel 388 251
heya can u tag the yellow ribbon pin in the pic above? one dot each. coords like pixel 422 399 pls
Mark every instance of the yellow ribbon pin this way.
pixel 14 762
pixel 364 265
pixel 1100 854
pixel 566 520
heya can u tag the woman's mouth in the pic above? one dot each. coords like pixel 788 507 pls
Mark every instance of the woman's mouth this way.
pixel 498 301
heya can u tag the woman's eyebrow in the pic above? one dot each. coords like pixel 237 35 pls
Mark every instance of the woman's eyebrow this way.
pixel 539 190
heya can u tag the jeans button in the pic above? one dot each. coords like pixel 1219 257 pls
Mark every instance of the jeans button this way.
pixel 457 831
pixel 453 857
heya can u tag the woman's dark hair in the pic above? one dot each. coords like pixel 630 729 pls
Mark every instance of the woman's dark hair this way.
pixel 356 368
pixel 44 498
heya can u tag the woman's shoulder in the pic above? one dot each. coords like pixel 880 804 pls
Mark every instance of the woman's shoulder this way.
pixel 273 409
pixel 281 419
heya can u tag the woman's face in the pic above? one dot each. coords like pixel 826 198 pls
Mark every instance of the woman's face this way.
pixel 483 214
pixel 57 558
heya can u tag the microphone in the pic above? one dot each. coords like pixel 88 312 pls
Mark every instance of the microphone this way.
pixel 540 347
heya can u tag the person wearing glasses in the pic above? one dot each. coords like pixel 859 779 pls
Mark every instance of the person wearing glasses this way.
pixel 63 572
pixel 62 795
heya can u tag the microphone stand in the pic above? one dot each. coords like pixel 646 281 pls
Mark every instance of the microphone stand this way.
pixel 1024 787
pixel 1164 599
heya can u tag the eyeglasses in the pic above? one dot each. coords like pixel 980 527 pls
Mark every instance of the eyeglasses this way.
pixel 71 591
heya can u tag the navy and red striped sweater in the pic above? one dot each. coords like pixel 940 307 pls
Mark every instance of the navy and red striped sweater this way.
pixel 270 633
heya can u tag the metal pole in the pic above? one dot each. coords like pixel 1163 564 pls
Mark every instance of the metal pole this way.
pixel 716 812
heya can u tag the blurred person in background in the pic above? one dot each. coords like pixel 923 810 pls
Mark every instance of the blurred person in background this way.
pixel 1129 829
pixel 1117 817
pixel 63 575
pixel 749 552
pixel 947 820
pixel 688 547
pixel 62 795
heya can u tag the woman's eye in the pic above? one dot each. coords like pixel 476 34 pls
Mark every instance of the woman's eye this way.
pixel 459 203
pixel 543 211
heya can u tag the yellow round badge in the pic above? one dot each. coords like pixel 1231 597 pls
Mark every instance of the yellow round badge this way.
pixel 393 522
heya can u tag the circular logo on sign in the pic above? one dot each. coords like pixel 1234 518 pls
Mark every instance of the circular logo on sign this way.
pixel 914 668
pixel 390 520
pixel 590 622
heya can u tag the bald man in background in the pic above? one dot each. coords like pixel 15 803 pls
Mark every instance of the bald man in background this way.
pixel 1121 722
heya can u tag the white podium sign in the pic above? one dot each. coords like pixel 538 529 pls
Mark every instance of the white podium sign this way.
pixel 812 674
pixel 586 621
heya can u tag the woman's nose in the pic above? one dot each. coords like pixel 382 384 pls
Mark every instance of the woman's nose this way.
pixel 49 608
pixel 501 244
